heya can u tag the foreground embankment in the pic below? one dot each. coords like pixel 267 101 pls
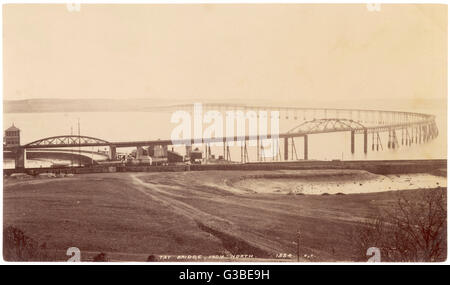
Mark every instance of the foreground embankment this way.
pixel 374 166
pixel 211 214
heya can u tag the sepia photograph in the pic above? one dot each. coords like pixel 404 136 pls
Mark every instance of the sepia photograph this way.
pixel 256 133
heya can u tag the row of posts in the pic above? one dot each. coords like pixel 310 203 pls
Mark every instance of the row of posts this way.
pixel 415 134
pixel 288 147
pixel 409 135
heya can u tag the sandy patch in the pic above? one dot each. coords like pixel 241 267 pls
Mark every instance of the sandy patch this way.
pixel 333 183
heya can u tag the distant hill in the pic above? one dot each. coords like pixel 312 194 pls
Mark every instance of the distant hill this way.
pixel 145 104
pixel 79 105
pixel 95 105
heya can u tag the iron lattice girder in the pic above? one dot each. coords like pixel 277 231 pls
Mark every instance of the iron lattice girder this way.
pixel 67 141
pixel 340 125
pixel 400 126
pixel 327 126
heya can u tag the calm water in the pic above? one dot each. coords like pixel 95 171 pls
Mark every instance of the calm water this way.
pixel 129 126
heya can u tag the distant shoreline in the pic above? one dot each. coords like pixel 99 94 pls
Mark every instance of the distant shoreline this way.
pixel 48 105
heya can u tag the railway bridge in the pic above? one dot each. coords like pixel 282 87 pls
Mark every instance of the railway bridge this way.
pixel 404 128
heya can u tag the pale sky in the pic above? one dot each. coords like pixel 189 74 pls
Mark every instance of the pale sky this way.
pixel 286 52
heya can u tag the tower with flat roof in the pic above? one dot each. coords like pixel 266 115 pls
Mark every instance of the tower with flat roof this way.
pixel 12 137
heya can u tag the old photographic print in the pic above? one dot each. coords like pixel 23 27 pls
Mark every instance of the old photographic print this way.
pixel 254 133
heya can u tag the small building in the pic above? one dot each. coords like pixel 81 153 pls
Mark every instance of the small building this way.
pixel 12 137
pixel 159 151
pixel 196 155
pixel 174 157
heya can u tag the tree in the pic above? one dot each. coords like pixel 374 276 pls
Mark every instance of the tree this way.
pixel 101 257
pixel 19 247
pixel 413 230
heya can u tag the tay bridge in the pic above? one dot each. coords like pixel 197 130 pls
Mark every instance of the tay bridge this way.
pixel 403 129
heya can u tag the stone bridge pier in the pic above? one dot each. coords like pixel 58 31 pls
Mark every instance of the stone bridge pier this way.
pixel 112 152
pixel 20 157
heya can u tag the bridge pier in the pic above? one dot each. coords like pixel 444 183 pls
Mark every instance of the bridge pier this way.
pixel 435 130
pixel 420 134
pixel 390 139
pixel 365 141
pixel 20 157
pixel 352 143
pixel 139 152
pixel 224 150
pixel 242 153
pixel 396 144
pixel 189 150
pixel 305 144
pixel 373 141
pixel 286 149
pixel 112 152
pixel 292 148
pixel 246 158
pixel 258 148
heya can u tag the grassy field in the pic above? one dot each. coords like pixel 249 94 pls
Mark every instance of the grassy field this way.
pixel 130 216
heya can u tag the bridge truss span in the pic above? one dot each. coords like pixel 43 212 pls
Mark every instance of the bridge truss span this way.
pixel 327 126
pixel 67 141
